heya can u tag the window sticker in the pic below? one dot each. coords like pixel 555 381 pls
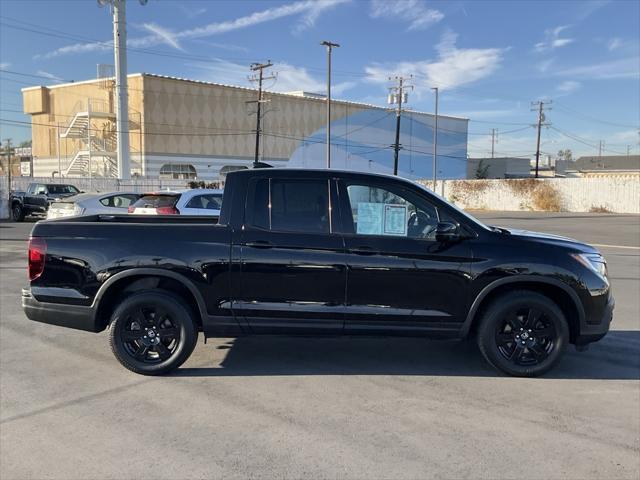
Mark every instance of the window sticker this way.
pixel 370 218
pixel 395 220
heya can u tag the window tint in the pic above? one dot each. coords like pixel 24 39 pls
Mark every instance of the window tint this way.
pixel 377 211
pixel 40 189
pixel 118 201
pixel 296 205
pixel 61 189
pixel 300 205
pixel 208 202
pixel 156 201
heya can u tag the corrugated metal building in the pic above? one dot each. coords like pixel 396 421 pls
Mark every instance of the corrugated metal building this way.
pixel 182 128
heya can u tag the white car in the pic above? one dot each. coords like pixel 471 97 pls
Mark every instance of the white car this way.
pixel 110 203
pixel 198 201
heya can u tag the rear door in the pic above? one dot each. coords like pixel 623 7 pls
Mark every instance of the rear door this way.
pixel 292 274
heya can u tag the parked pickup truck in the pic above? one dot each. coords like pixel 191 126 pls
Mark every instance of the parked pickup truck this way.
pixel 35 201
pixel 317 253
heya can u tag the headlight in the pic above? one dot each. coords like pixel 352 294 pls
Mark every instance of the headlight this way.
pixel 593 261
pixel 78 210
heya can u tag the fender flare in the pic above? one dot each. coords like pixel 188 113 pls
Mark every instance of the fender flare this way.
pixel 151 272
pixel 466 326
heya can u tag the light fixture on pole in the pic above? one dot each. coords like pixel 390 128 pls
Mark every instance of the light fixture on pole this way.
pixel 329 46
pixel 435 141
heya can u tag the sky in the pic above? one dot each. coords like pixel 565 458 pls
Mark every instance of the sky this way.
pixel 489 59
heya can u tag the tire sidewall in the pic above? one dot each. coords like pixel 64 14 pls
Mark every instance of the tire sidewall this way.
pixel 495 315
pixel 180 314
pixel 17 213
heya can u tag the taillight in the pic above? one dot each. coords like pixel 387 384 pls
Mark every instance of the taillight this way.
pixel 167 211
pixel 37 255
pixel 131 209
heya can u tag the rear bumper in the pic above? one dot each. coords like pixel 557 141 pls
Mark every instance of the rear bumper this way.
pixel 79 317
pixel 590 333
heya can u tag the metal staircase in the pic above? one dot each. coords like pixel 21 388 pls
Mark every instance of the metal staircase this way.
pixel 96 155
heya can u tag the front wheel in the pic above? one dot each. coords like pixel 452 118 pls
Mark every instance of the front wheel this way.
pixel 152 333
pixel 523 333
pixel 17 213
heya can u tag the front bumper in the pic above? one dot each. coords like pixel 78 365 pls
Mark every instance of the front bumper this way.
pixel 590 333
pixel 79 317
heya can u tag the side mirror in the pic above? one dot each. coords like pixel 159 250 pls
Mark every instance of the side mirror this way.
pixel 447 232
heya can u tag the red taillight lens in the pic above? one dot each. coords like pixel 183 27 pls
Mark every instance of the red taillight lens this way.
pixel 167 211
pixel 37 255
pixel 131 209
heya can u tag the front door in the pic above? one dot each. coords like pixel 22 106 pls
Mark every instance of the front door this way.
pixel 292 275
pixel 400 279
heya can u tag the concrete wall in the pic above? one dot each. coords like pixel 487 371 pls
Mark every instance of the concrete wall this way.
pixel 620 195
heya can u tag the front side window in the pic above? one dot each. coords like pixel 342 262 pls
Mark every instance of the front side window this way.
pixel 378 211
pixel 289 205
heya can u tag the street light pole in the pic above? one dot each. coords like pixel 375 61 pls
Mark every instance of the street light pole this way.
pixel 329 46
pixel 435 142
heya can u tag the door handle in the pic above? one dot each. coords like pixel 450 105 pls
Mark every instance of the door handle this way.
pixel 259 244
pixel 363 250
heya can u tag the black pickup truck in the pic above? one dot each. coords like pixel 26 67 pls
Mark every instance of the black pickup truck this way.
pixel 35 201
pixel 317 253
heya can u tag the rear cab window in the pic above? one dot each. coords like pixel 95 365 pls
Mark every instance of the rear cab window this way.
pixel 289 205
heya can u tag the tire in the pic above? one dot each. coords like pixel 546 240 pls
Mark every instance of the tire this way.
pixel 152 332
pixel 523 333
pixel 17 212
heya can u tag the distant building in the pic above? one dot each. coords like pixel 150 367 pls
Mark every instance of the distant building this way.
pixel 187 129
pixel 499 167
pixel 597 166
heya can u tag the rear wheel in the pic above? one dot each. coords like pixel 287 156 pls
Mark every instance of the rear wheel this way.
pixel 17 213
pixel 523 333
pixel 152 333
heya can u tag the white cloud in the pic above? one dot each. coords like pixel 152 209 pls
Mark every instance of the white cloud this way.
pixel 476 114
pixel 614 44
pixel 415 12
pixel 630 136
pixel 568 86
pixel 50 76
pixel 544 65
pixel 5 65
pixel 616 69
pixel 553 39
pixel 191 12
pixel 289 78
pixel 309 9
pixel 453 67
pixel 162 34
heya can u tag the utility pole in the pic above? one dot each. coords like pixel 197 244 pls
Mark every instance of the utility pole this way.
pixel 122 102
pixel 435 143
pixel 329 46
pixel 541 118
pixel 628 150
pixel 600 148
pixel 259 67
pixel 7 143
pixel 398 96
pixel 494 132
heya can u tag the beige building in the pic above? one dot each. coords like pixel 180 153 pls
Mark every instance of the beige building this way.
pixel 191 129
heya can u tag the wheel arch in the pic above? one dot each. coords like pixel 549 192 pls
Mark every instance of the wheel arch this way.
pixel 125 283
pixel 555 290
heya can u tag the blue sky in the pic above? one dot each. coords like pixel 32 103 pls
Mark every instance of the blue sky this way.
pixel 490 59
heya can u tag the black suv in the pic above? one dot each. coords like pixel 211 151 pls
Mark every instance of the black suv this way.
pixel 318 253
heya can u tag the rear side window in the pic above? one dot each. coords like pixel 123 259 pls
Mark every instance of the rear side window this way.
pixel 156 201
pixel 209 201
pixel 289 205
pixel 62 189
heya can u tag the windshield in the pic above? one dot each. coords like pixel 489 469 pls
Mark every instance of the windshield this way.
pixel 469 217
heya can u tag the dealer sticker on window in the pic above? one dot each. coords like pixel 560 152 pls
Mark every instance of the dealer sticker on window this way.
pixel 395 220
pixel 381 219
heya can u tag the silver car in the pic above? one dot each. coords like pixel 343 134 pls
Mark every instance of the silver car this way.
pixel 111 203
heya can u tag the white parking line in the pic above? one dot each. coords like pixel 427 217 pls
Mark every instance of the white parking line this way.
pixel 615 246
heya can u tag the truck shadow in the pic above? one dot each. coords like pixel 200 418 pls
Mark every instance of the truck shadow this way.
pixel 616 357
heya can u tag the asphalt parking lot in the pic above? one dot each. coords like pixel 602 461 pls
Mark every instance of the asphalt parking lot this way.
pixel 323 408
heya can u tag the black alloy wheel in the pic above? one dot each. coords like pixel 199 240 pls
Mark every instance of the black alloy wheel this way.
pixel 523 333
pixel 17 214
pixel 152 332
